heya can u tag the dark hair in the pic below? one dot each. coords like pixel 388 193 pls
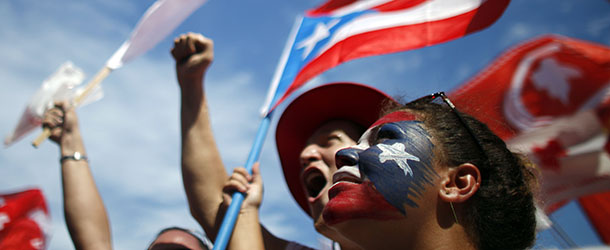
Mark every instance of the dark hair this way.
pixel 204 245
pixel 501 214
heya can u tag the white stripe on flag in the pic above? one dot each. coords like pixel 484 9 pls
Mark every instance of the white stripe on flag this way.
pixel 428 12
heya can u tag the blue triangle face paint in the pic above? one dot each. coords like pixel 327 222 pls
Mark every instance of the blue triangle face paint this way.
pixel 399 162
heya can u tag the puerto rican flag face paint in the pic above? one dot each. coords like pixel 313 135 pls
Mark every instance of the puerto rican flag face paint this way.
pixel 395 155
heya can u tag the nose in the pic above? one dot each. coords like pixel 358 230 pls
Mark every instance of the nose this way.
pixel 347 157
pixel 310 154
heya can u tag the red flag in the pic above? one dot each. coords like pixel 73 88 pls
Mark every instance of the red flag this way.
pixel 548 98
pixel 343 30
pixel 597 207
pixel 24 220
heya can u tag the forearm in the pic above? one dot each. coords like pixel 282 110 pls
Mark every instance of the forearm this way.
pixel 202 169
pixel 84 210
pixel 247 233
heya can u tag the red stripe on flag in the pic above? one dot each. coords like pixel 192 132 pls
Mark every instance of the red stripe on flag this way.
pixel 399 5
pixel 329 7
pixel 597 208
pixel 395 39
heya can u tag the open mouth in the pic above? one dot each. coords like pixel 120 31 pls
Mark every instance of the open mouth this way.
pixel 314 182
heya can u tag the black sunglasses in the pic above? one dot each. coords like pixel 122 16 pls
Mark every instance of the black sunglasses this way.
pixel 430 98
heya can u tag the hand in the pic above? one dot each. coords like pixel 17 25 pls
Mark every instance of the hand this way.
pixel 193 54
pixel 251 185
pixel 61 120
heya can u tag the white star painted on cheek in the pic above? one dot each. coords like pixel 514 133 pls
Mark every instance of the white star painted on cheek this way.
pixel 396 152
pixel 320 33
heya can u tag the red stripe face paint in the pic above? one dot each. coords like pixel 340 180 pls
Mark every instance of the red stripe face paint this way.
pixel 395 117
pixel 389 169
pixel 357 201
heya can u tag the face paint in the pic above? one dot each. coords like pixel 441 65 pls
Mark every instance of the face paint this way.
pixel 350 200
pixel 395 155
pixel 394 117
pixel 400 162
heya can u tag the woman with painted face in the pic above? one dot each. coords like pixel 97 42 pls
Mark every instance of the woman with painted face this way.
pixel 426 176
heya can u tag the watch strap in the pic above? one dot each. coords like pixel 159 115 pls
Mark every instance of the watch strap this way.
pixel 77 156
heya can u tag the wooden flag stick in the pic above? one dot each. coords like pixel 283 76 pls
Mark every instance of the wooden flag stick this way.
pixel 97 80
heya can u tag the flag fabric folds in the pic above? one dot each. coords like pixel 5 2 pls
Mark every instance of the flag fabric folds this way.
pixel 549 98
pixel 160 19
pixel 24 220
pixel 342 30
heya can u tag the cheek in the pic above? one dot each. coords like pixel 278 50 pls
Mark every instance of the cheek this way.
pixel 400 177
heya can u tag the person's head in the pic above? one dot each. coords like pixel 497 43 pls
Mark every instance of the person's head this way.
pixel 425 167
pixel 313 128
pixel 177 238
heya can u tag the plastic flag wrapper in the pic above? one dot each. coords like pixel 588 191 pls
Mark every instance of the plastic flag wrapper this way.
pixel 60 86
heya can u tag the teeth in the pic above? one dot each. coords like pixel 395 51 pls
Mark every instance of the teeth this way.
pixel 347 173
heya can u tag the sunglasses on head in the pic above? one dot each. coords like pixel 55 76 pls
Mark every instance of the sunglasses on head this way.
pixel 441 95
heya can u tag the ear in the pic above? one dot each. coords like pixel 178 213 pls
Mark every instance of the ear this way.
pixel 460 183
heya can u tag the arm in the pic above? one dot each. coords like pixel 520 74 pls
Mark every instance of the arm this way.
pixel 84 210
pixel 203 173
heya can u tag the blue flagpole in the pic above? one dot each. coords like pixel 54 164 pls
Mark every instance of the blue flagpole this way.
pixel 228 222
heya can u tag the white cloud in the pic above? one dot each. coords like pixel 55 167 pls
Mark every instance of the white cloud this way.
pixel 599 27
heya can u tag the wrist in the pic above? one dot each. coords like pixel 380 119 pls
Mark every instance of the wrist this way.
pixel 71 143
pixel 76 156
pixel 249 210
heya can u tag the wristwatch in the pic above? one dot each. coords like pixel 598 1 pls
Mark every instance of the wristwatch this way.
pixel 77 156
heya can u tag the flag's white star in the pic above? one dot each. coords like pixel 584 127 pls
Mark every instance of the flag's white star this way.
pixel 396 152
pixel 320 33
pixel 4 219
pixel 554 78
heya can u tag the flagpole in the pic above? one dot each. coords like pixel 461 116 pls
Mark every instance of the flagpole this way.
pixel 228 222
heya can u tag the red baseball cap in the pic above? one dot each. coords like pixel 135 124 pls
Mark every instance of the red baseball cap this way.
pixel 354 102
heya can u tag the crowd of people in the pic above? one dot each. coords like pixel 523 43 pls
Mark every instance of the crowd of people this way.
pixel 370 172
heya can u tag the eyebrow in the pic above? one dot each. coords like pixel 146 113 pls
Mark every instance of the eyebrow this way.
pixel 373 134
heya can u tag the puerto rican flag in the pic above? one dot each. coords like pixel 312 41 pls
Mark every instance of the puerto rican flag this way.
pixel 342 30
pixel 549 98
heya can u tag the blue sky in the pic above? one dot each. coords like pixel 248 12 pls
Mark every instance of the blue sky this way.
pixel 132 134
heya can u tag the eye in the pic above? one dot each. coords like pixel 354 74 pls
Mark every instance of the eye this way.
pixel 333 139
pixel 389 131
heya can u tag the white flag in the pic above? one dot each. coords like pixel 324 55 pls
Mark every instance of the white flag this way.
pixel 158 21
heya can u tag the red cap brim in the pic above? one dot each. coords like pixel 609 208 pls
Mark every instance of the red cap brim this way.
pixel 354 102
